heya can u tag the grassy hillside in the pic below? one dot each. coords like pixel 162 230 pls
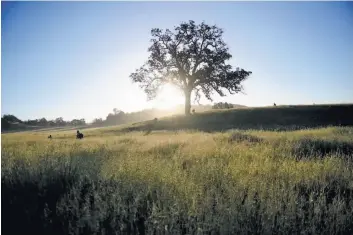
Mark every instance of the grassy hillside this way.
pixel 267 118
pixel 120 181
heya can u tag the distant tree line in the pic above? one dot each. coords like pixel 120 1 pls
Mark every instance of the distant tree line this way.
pixel 221 105
pixel 54 123
pixel 120 117
pixel 117 117
pixel 9 122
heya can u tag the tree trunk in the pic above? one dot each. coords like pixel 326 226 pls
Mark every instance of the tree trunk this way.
pixel 187 102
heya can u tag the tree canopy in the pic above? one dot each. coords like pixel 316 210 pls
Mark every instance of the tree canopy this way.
pixel 11 118
pixel 193 58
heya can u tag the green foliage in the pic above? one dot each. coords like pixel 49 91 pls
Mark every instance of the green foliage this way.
pixel 78 122
pixel 117 118
pixel 221 105
pixel 5 125
pixel 11 118
pixel 97 121
pixel 11 123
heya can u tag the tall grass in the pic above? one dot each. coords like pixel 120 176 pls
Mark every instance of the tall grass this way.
pixel 237 182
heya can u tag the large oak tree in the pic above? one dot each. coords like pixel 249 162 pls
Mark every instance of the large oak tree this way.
pixel 193 58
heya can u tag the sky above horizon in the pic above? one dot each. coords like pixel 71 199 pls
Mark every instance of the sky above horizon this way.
pixel 73 59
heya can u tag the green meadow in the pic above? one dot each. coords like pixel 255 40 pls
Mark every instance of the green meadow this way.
pixel 246 171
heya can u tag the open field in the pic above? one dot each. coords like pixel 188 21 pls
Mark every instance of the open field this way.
pixel 186 176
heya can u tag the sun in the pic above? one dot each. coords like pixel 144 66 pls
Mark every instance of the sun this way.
pixel 168 97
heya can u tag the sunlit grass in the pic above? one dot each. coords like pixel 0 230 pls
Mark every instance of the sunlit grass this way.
pixel 182 182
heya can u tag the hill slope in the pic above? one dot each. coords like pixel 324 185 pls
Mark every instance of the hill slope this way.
pixel 269 118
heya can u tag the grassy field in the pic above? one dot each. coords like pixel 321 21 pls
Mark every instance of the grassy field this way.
pixel 190 175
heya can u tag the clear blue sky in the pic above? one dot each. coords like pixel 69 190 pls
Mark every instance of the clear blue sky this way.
pixel 73 59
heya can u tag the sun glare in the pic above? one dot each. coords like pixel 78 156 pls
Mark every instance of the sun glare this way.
pixel 168 97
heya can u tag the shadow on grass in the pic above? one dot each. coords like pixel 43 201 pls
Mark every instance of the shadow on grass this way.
pixel 240 137
pixel 275 119
pixel 306 148
pixel 67 200
pixel 334 189
pixel 68 197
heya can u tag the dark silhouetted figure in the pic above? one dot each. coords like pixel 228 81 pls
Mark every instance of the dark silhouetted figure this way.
pixel 274 104
pixel 193 111
pixel 49 137
pixel 79 135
